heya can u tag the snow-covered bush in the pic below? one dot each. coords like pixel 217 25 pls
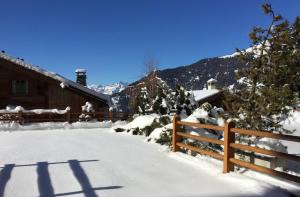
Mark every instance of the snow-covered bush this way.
pixel 145 124
pixel 162 135
pixel 86 108
pixel 205 114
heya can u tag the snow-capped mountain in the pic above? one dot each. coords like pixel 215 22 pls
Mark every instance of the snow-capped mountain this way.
pixel 191 77
pixel 195 76
pixel 256 50
pixel 109 89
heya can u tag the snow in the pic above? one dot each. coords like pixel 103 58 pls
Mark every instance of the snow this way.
pixel 80 70
pixel 293 124
pixel 270 144
pixel 256 50
pixel 17 109
pixel 164 103
pixel 98 162
pixel 61 79
pixel 198 114
pixel 15 126
pixel 63 85
pixel 203 94
pixel 141 122
pixel 211 80
pixel 156 133
pixel 88 107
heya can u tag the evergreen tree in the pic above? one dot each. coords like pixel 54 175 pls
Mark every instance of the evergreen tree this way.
pixel 142 102
pixel 271 82
pixel 161 103
pixel 185 102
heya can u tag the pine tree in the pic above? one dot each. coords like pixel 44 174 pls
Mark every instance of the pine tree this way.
pixel 185 102
pixel 161 103
pixel 142 102
pixel 270 84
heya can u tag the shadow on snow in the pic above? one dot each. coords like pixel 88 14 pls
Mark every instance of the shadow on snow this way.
pixel 44 181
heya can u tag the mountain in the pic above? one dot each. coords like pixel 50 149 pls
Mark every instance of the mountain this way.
pixel 195 76
pixel 191 77
pixel 109 89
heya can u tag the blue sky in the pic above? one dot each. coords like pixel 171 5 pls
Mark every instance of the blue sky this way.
pixel 111 39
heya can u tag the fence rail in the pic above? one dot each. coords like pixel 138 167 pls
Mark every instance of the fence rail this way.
pixel 31 117
pixel 230 147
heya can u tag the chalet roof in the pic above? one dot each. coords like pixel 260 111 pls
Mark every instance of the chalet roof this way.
pixel 64 82
pixel 203 94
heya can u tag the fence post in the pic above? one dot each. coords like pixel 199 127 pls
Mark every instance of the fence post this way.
pixel 20 116
pixel 68 116
pixel 175 137
pixel 100 117
pixel 110 113
pixel 229 137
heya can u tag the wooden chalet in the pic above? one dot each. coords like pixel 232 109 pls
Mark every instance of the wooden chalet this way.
pixel 211 94
pixel 22 84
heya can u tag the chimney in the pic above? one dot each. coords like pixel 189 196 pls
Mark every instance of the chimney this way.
pixel 211 84
pixel 81 76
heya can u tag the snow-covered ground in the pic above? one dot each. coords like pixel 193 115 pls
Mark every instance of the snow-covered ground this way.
pixel 293 124
pixel 15 126
pixel 99 162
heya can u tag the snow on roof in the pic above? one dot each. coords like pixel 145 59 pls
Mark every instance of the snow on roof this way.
pixel 211 80
pixel 203 94
pixel 55 76
pixel 80 70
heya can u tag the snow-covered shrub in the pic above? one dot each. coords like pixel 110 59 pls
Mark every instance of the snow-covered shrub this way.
pixel 86 108
pixel 157 123
pixel 162 135
pixel 119 130
pixel 139 122
pixel 205 114
pixel 145 124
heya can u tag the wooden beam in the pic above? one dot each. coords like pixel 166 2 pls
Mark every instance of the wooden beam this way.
pixel 200 138
pixel 201 151
pixel 265 170
pixel 266 134
pixel 266 152
pixel 198 125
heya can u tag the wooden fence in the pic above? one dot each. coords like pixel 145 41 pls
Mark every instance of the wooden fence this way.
pixel 31 117
pixel 230 146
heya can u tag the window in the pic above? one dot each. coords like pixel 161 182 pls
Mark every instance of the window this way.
pixel 20 87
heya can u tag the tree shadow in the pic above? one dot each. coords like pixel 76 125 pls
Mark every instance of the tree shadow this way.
pixel 5 176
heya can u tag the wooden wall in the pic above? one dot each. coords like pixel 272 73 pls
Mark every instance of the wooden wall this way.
pixel 43 92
